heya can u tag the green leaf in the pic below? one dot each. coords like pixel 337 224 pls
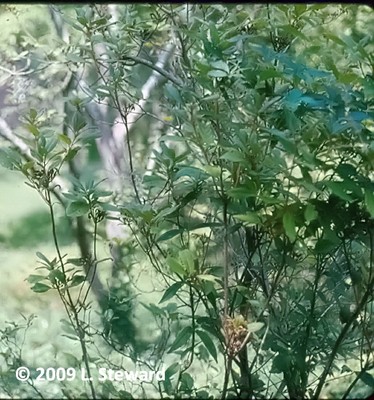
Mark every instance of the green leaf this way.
pixel 367 379
pixel 195 173
pixel 9 158
pixel 167 151
pixel 172 93
pixel 77 280
pixel 181 339
pixel 75 261
pixel 345 368
pixel 220 65
pixel 72 361
pixel 51 143
pixel 369 201
pixel 292 99
pixel 204 225
pixel 77 209
pixel 324 246
pixel 281 363
pixel 153 181
pixel 242 192
pixel 67 327
pixel 35 278
pixel 71 337
pixel 213 171
pixel 56 276
pixel 207 277
pixel 124 394
pixel 43 257
pixel 208 343
pixel 187 259
pixel 337 188
pixel 40 288
pixel 175 266
pixel 33 129
pixel 187 382
pixel 33 114
pixel 169 234
pixel 310 212
pixel 172 370
pixel 217 73
pixel 251 218
pixel 78 122
pixel 233 155
pixel 255 326
pixel 346 170
pixel 169 373
pixel 269 73
pixel 64 138
pixel 289 225
pixel 288 144
pixel 167 212
pixel 75 58
pixel 171 291
pixel 300 9
pixel 72 153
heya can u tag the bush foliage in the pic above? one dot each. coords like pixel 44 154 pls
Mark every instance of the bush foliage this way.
pixel 235 153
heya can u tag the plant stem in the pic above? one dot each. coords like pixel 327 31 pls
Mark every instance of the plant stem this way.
pixel 72 312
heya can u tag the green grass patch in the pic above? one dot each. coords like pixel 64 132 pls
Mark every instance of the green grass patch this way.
pixel 35 228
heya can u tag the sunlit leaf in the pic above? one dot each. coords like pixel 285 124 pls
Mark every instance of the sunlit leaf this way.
pixel 175 266
pixel 255 326
pixel 207 277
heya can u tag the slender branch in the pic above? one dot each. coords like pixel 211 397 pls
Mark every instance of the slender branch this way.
pixel 24 150
pixel 227 375
pixel 81 231
pixel 151 83
pixel 70 303
pixel 341 337
pixel 357 378
pixel 23 71
pixel 8 135
pixel 156 68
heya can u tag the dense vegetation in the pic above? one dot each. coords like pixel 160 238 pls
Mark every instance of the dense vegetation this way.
pixel 211 169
